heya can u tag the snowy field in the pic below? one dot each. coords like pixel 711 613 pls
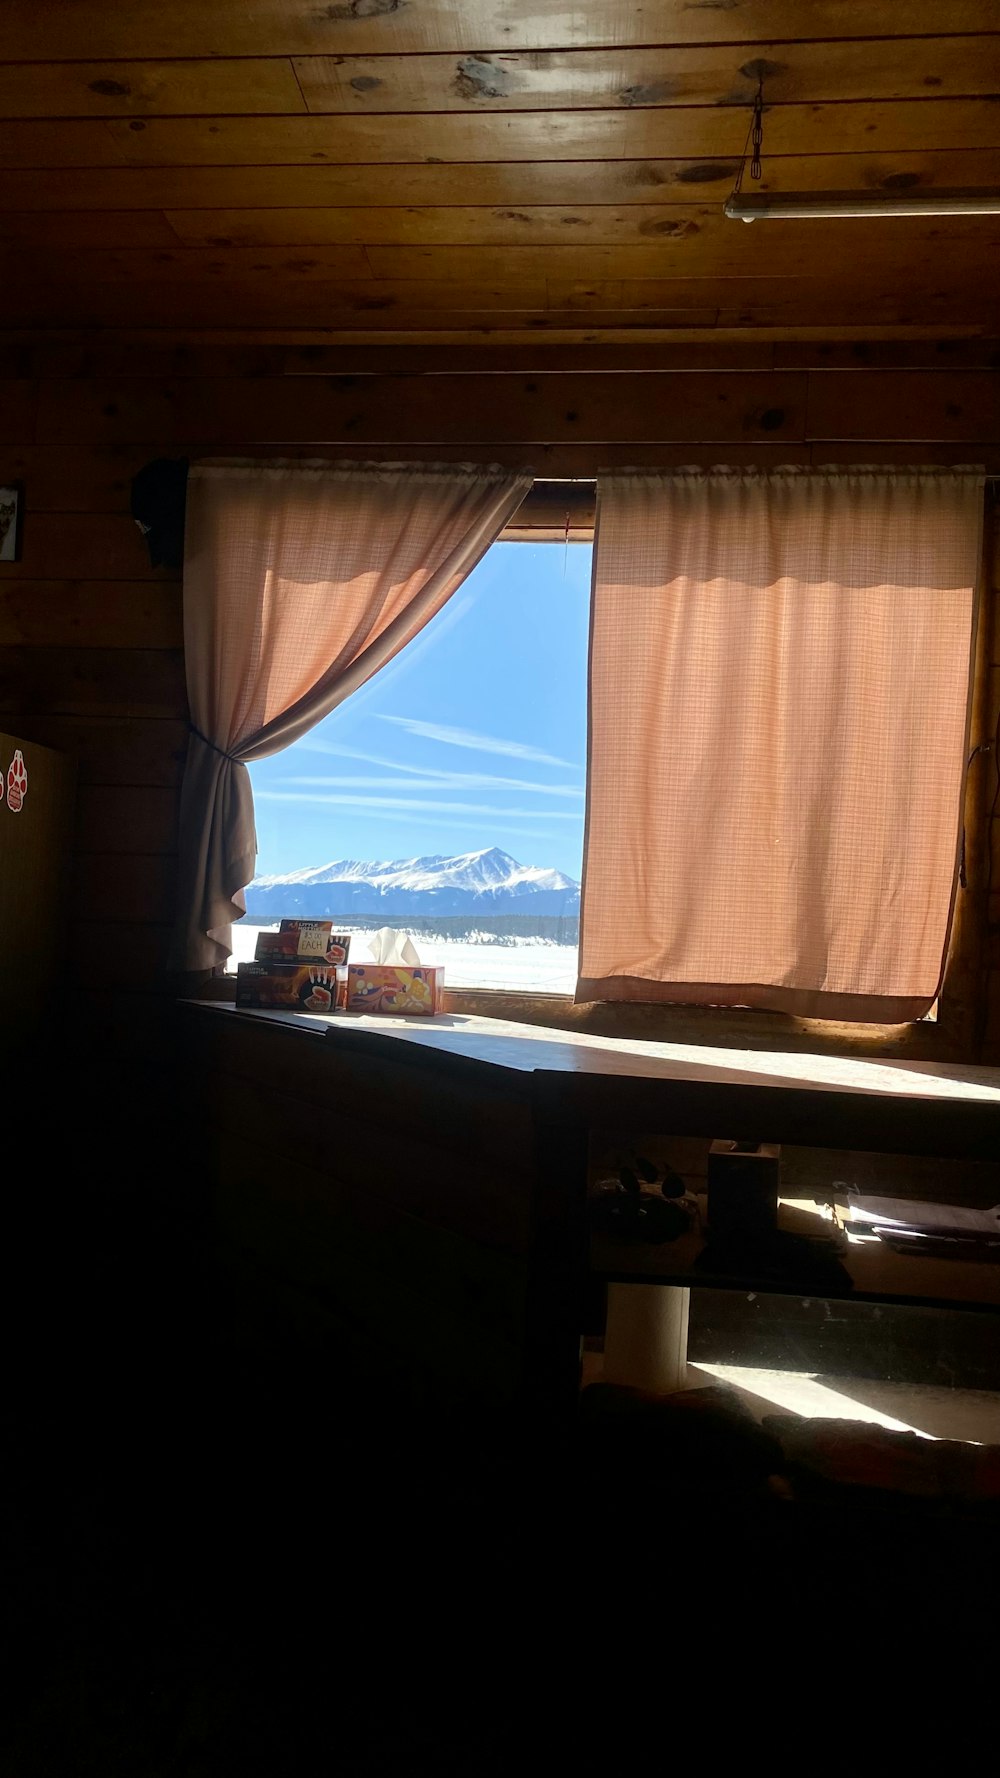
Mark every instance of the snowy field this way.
pixel 531 965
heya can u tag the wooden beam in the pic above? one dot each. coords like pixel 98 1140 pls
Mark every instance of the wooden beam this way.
pixel 380 409
pixel 648 407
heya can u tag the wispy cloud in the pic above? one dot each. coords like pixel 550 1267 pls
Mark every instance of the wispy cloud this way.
pixel 338 751
pixel 405 804
pixel 469 825
pixel 437 781
pixel 475 743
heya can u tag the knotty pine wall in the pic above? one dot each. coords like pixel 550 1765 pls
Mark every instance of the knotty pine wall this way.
pixel 90 635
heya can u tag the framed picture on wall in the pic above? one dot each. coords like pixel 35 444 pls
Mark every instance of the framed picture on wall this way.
pixel 11 509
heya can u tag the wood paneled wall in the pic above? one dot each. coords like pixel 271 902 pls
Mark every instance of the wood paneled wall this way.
pixel 90 634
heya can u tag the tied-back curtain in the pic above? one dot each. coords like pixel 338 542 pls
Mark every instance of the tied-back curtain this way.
pixel 300 581
pixel 779 695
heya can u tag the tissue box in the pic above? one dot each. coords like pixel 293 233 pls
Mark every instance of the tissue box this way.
pixel 384 987
pixel 287 987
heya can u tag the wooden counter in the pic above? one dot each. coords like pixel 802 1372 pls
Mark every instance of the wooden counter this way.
pixel 430 1178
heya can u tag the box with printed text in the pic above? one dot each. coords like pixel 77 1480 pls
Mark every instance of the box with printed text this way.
pixel 287 987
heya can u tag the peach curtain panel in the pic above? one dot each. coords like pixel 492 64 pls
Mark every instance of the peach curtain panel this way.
pixel 779 707
pixel 300 581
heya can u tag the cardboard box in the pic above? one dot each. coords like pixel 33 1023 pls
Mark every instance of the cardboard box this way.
pixel 287 987
pixel 383 987
pixel 311 941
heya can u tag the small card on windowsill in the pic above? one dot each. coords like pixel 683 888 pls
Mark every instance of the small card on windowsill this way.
pixel 303 941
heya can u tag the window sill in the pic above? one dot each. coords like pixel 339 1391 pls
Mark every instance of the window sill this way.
pixel 710 1026
pixel 585 1081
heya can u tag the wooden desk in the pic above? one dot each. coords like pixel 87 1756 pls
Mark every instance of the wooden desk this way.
pixel 477 1130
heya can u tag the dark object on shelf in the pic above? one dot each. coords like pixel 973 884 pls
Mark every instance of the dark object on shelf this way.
pixel 637 1216
pixel 627 1212
pixel 778 1258
pixel 159 498
pixel 743 1188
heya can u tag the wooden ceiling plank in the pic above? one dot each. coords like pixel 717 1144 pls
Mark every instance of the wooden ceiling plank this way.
pixel 934 250
pixel 230 141
pixel 696 133
pixel 711 74
pixel 84 142
pixel 448 225
pixel 87 229
pixel 669 133
pixel 262 302
pixel 723 249
pixel 418 309
pixel 898 315
pixel 97 478
pixel 869 325
pixel 148 89
pixel 37 29
pixel 178 264
pixel 322 190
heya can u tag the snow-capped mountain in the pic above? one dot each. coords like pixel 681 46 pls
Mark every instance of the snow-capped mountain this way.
pixel 472 882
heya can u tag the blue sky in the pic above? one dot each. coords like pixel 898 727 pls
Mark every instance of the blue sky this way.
pixel 474 736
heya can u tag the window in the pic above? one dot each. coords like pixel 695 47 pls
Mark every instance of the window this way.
pixel 446 797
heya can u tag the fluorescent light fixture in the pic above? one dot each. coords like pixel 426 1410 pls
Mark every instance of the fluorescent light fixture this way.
pixel 798 204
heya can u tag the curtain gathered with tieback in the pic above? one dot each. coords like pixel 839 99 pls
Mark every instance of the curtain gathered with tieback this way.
pixel 301 580
pixel 780 685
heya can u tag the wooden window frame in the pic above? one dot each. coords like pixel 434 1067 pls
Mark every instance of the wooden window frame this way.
pixel 556 512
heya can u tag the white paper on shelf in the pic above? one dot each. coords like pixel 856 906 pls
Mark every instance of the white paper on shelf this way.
pixel 908 1213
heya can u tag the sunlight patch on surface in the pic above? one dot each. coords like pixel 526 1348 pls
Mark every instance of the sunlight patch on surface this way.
pixel 797 1392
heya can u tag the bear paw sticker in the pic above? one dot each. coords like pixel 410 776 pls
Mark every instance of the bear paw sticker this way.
pixel 17 782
